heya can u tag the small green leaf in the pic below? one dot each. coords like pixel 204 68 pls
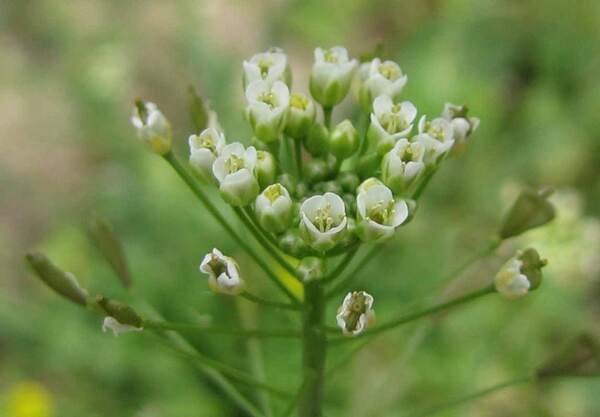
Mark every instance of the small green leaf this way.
pixel 102 234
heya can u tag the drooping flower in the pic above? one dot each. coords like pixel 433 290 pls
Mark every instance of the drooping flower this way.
pixel 269 66
pixel 223 273
pixel 323 221
pixel 234 170
pixel 383 78
pixel 152 127
pixel 356 313
pixel 204 149
pixel 403 165
pixel 462 125
pixel 390 122
pixel 378 213
pixel 520 274
pixel 267 108
pixel 331 75
pixel 273 208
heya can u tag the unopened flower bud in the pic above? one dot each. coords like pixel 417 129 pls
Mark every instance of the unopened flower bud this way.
pixel 311 269
pixel 316 170
pixel 266 168
pixel 269 66
pixel 520 274
pixel 530 210
pixel 323 221
pixel 378 213
pixel 348 180
pixel 402 166
pixel 383 78
pixel 462 125
pixel 120 318
pixel 343 141
pixel 273 208
pixel 64 283
pixel 389 123
pixel 291 242
pixel 234 170
pixel 356 313
pixel 317 141
pixel 152 127
pixel 204 149
pixel 301 116
pixel 436 136
pixel 223 273
pixel 267 108
pixel 331 75
pixel 368 165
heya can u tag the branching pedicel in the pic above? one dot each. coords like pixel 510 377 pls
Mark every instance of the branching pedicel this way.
pixel 311 194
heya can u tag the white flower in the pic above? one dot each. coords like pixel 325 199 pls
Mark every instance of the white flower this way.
pixel 390 122
pixel 331 75
pixel 356 313
pixel 510 282
pixel 223 273
pixel 152 127
pixel 112 324
pixel 273 208
pixel 323 221
pixel 462 125
pixel 436 136
pixel 378 213
pixel 269 66
pixel 384 78
pixel 267 108
pixel 367 184
pixel 234 170
pixel 204 149
pixel 403 165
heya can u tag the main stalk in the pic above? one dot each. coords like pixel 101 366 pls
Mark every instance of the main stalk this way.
pixel 313 350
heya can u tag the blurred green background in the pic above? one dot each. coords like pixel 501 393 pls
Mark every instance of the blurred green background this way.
pixel 69 71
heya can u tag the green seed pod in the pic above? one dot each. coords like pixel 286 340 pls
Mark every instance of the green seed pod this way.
pixel 64 283
pixel 317 140
pixel 344 140
pixel 121 312
pixel 531 209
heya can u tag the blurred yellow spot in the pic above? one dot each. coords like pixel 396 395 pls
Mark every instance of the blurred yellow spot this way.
pixel 288 279
pixel 30 399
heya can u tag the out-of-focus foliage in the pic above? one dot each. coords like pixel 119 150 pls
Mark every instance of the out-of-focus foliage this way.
pixel 68 74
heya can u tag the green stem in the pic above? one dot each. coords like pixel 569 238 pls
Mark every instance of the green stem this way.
pixel 270 246
pixel 267 303
pixel 341 266
pixel 298 148
pixel 424 182
pixel 354 274
pixel 294 402
pixel 314 350
pixel 327 111
pixel 178 327
pixel 233 373
pixel 423 313
pixel 487 250
pixel 189 180
pixel 476 395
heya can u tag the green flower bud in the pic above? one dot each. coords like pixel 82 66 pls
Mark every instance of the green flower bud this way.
pixel 520 274
pixel 266 168
pixel 301 116
pixel 152 127
pixel 301 190
pixel 348 180
pixel 331 75
pixel 291 242
pixel 64 283
pixel 316 170
pixel 311 269
pixel 122 313
pixel 368 165
pixel 317 140
pixel 273 208
pixel 531 209
pixel 344 140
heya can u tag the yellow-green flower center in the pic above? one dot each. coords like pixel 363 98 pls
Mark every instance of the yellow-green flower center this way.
pixel 356 308
pixel 393 123
pixel 233 164
pixel 299 101
pixel 331 57
pixel 268 98
pixel 381 212
pixel 390 71
pixel 323 220
pixel 264 65
pixel 273 192
pixel 208 142
pixel 217 265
